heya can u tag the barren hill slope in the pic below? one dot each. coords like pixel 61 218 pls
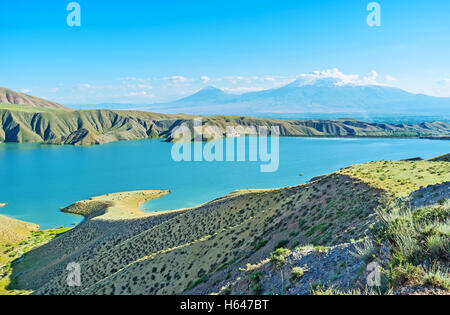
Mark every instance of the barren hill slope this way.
pixel 443 158
pixel 8 96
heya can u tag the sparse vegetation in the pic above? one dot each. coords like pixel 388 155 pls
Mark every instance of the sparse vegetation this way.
pixel 365 249
pixel 438 277
pixel 90 127
pixel 401 177
pixel 281 244
pixel 209 245
pixel 261 244
pixel 10 253
pixel 297 273
pixel 418 241
pixel 278 257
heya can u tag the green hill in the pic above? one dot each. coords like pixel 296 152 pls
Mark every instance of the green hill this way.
pixel 103 126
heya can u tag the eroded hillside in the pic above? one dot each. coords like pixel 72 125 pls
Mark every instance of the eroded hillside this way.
pixel 103 126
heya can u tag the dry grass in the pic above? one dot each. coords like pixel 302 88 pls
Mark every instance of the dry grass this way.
pixel 14 231
pixel 401 178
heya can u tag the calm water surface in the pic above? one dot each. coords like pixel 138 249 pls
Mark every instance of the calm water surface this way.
pixel 37 180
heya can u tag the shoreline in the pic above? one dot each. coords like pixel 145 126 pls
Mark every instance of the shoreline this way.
pixel 117 206
pixel 43 144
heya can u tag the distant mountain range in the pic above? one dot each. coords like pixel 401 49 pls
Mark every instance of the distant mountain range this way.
pixel 303 96
pixel 325 95
pixel 8 96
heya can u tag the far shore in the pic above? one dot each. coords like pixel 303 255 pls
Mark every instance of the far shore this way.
pixel 148 125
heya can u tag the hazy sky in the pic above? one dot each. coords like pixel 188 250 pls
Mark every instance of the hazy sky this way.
pixel 149 51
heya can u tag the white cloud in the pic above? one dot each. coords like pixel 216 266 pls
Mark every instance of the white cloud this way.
pixel 163 89
pixel 205 79
pixel 26 91
pixel 390 78
pixel 140 86
pixel 139 94
pixel 133 79
pixel 178 79
pixel 87 86
pixel 269 78
pixel 239 90
pixel 341 78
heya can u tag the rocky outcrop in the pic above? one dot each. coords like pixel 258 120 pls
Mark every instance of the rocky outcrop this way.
pixel 430 195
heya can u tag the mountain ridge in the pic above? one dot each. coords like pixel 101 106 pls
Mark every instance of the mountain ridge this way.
pixel 8 96
pixel 325 95
pixel 104 126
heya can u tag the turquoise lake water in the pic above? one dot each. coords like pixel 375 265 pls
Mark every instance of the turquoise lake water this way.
pixel 37 180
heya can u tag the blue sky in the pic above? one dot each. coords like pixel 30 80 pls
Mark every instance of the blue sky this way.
pixel 151 51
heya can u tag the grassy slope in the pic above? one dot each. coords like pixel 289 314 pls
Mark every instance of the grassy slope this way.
pixel 201 249
pixel 400 177
pixel 209 241
pixel 28 108
pixel 420 238
pixel 12 248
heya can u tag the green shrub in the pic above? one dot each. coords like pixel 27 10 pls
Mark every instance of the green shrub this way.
pixel 438 278
pixel 278 257
pixel 297 273
pixel 437 245
pixel 281 244
pixel 301 223
pixel 406 247
pixel 365 250
pixel 197 282
pixel 295 244
pixel 444 228
pixel 255 278
pixel 401 274
pixel 257 288
pixel 261 244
